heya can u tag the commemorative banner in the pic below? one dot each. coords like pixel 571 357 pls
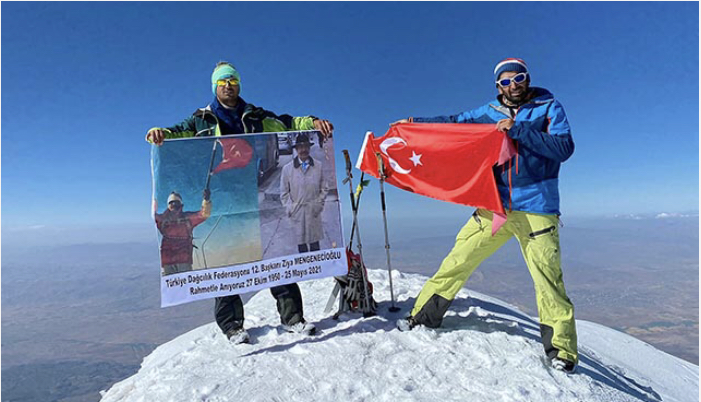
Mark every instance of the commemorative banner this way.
pixel 237 214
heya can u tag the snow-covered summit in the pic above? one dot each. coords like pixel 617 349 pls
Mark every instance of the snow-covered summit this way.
pixel 486 351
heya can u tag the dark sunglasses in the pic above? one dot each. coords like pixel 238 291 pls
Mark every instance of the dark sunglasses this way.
pixel 517 79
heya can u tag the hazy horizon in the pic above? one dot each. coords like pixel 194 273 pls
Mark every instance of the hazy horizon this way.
pixel 143 230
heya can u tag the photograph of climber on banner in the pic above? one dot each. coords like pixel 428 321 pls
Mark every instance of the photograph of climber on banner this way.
pixel 205 203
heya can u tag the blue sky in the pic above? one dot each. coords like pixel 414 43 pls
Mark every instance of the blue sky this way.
pixel 82 82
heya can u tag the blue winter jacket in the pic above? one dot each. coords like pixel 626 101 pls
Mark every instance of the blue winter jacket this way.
pixel 529 182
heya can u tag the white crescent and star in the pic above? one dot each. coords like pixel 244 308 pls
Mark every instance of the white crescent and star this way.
pixel 232 152
pixel 386 144
pixel 416 159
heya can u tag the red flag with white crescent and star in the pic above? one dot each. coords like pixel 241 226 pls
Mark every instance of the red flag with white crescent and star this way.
pixel 236 153
pixel 448 162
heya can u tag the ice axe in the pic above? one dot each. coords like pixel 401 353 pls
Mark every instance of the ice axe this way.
pixel 337 288
pixel 367 311
pixel 381 174
pixel 358 193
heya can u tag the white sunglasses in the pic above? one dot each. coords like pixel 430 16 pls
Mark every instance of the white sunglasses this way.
pixel 518 78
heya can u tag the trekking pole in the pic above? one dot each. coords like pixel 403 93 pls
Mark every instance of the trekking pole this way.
pixel 381 173
pixel 349 178
pixel 204 256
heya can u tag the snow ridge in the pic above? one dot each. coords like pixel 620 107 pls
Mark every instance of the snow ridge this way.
pixel 486 351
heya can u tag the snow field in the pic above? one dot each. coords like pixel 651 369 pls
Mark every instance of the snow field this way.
pixel 485 351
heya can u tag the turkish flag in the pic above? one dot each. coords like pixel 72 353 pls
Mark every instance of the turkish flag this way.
pixel 236 153
pixel 449 162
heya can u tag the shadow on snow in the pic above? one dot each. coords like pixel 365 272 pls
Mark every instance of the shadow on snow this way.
pixel 495 320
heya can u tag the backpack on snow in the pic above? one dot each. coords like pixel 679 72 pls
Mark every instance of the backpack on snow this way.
pixel 352 288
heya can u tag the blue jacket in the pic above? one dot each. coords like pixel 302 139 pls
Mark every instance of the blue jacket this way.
pixel 529 182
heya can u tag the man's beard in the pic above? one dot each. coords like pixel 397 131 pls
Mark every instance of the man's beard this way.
pixel 515 101
pixel 521 100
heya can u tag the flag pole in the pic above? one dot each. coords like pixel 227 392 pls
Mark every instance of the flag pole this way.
pixel 206 187
pixel 211 164
pixel 381 173
pixel 367 312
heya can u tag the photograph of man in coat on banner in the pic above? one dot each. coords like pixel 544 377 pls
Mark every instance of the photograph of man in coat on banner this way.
pixel 303 190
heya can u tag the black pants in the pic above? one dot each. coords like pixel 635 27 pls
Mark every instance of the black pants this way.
pixel 312 247
pixel 228 310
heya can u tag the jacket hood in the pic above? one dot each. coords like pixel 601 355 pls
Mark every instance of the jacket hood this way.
pixel 542 95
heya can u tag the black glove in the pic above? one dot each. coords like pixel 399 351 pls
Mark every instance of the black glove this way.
pixel 206 194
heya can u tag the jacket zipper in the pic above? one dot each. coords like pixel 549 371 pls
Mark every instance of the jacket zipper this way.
pixel 205 111
pixel 209 130
pixel 243 116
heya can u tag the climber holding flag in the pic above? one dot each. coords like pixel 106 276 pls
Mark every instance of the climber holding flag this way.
pixel 176 227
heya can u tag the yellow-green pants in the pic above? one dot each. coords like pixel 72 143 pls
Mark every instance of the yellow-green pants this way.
pixel 540 244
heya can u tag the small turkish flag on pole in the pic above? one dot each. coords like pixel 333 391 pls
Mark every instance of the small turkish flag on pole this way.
pixel 236 153
pixel 448 162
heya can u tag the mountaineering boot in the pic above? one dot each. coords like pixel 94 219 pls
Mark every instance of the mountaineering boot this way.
pixel 301 327
pixel 237 336
pixel 563 365
pixel 407 324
